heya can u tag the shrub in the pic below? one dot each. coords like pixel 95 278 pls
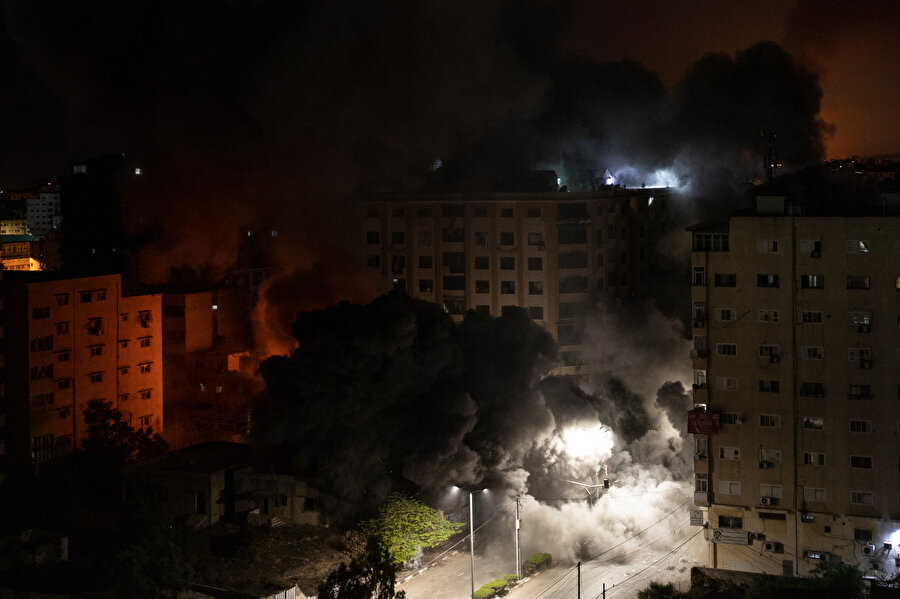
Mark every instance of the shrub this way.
pixel 536 563
pixel 511 578
pixel 484 593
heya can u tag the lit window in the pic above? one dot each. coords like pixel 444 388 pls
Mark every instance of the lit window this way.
pixel 813 459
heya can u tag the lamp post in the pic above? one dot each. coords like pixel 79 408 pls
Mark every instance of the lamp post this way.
pixel 472 537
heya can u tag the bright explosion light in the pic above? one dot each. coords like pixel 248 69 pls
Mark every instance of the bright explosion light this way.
pixel 583 443
pixel 663 177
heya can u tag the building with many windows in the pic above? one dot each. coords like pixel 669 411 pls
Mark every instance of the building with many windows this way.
pixel 796 388
pixel 65 342
pixel 548 252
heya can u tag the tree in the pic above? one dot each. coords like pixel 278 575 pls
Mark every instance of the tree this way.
pixel 113 438
pixel 403 525
pixel 660 591
pixel 370 576
pixel 840 580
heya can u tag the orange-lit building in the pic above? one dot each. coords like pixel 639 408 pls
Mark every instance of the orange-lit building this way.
pixel 67 341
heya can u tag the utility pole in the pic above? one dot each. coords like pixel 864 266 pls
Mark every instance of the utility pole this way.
pixel 578 596
pixel 518 555
pixel 604 590
pixel 472 542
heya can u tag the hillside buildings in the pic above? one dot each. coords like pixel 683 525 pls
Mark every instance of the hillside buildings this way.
pixel 66 341
pixel 547 252
pixel 796 366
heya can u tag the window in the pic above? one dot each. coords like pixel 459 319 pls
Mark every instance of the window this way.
pixel 731 522
pixel 767 315
pixel 811 317
pixel 536 312
pixel 482 262
pixel 730 487
pixel 453 235
pixel 86 296
pixel 42 343
pixel 426 285
pixel 769 386
pixel 860 392
pixel 101 295
pixel 814 493
pixel 62 328
pixel 862 498
pixel 767 246
pixel 507 213
pixel 725 314
pixel 701 482
pixel 96 377
pixel 698 276
pixel 507 263
pixel 147 393
pixel 768 490
pixel 536 263
pixel 144 367
pixel 453 210
pixel 725 280
pixel 535 288
pixel 729 418
pixel 862 534
pixel 857 246
pixel 710 242
pixel 812 389
pixel 62 299
pixel 814 459
pixel 727 383
pixel 63 384
pixel 373 237
pixel 536 239
pixel 398 238
pixel 767 281
pixel 859 318
pixel 812 281
pixel 425 239
pixel 726 349
pixel 42 372
pixel 568 309
pixel 769 351
pixel 863 355
pixel 773 456
pixel 398 212
pixel 571 233
pixel 534 213
pixel 573 285
pixel 62 356
pixel 861 461
pixel 96 350
pixel 860 426
pixel 507 238
pixel 426 262
pixel 123 370
pixel 811 247
pixel 857 282
pixel 599 237
pixel 482 286
pixel 507 287
pixel 398 264
pixel 770 420
pixel 810 352
pixel 40 312
pixel 813 423
pixel 730 453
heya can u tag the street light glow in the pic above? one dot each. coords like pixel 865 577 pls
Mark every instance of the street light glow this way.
pixel 587 443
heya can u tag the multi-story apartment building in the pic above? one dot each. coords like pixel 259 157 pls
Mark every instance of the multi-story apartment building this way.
pixel 65 342
pixel 797 388
pixel 43 212
pixel 547 252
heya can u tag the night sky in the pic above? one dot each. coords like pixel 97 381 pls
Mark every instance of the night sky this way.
pixel 265 109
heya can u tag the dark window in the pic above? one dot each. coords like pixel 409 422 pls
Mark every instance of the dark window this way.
pixel 507 212
pixel 536 263
pixel 426 285
pixel 482 262
pixel 536 312
pixel 425 262
pixel 534 213
pixel 482 286
pixel 571 212
pixel 453 235
pixel 398 238
pixel 507 238
pixel 731 522
pixel 481 212
pixel 455 261
pixel 571 233
pixel 398 264
pixel 40 312
pixel 725 280
pixel 573 260
pixel 767 281
pixel 507 287
pixel 857 282
pixel 373 237
pixel 573 285
pixel 860 461
pixel 812 389
pixel 453 210
pixel 536 239
pixel 507 263
pixel 862 534
pixel 535 288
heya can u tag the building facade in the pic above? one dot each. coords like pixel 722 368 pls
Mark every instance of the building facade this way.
pixel 67 341
pixel 796 365
pixel 549 253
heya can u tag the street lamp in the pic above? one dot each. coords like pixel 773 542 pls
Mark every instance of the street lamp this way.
pixel 472 537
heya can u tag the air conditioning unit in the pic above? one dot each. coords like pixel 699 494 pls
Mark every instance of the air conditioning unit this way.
pixel 769 501
pixel 865 364
pixel 774 358
pixel 816 254
pixel 868 550
pixel 700 455
pixel 765 465
pixel 773 547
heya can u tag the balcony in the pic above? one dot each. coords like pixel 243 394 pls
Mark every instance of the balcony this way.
pixel 701 498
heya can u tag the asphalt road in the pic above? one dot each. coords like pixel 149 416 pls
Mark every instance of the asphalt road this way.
pixel 625 571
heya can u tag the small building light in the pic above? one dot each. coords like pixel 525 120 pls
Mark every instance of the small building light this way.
pixel 137 170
